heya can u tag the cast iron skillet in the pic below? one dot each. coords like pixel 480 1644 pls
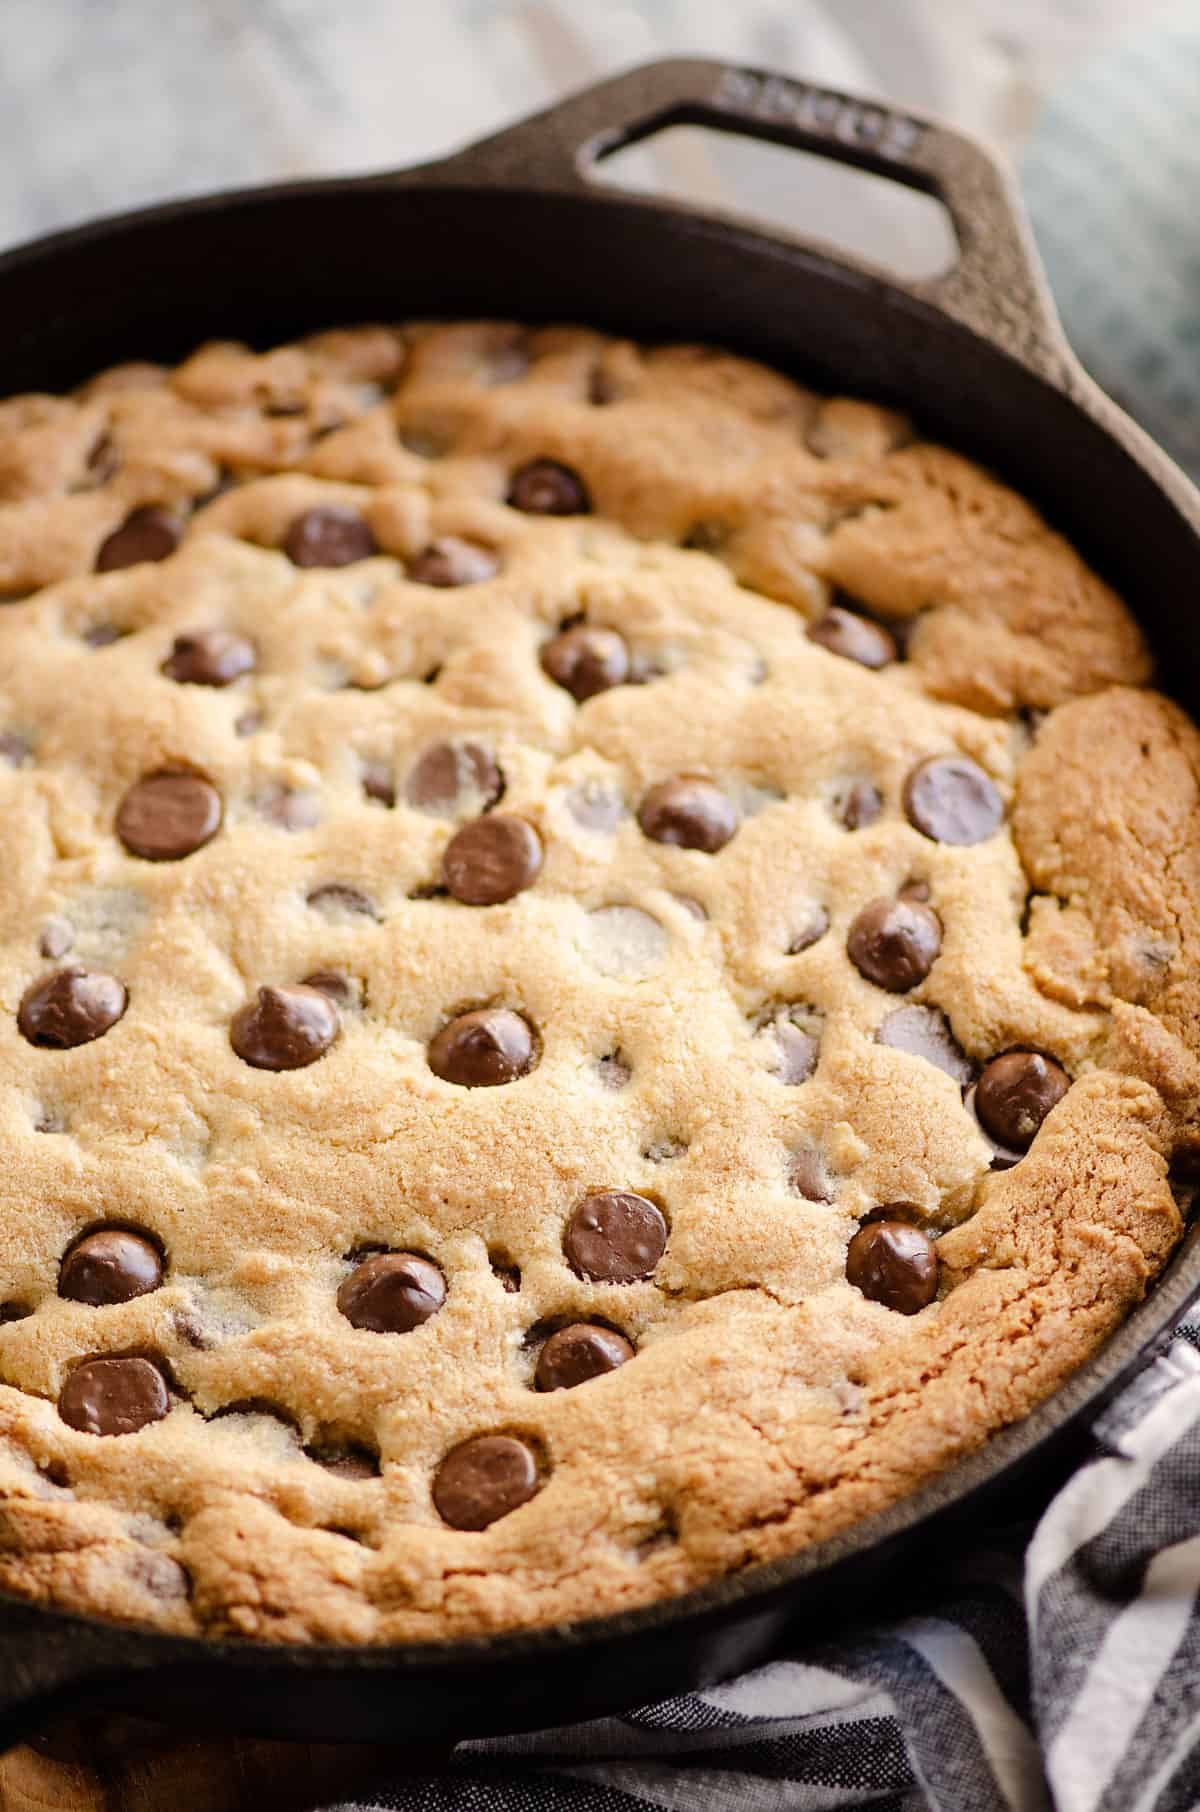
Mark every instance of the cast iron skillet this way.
pixel 518 227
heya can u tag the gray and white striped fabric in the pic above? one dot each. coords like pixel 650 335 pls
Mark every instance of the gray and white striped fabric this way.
pixel 1061 1671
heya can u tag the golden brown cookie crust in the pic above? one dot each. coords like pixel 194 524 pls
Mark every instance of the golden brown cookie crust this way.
pixel 769 1403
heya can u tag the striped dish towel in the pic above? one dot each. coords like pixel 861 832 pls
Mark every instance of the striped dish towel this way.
pixel 1060 1672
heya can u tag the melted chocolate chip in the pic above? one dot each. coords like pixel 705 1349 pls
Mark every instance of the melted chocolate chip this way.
pixel 483 1479
pixel 586 660
pixel 806 1175
pixel 344 991
pixel 346 1462
pixel 284 1028
pixel 689 812
pixel 71 1007
pixel 614 1236
pixel 491 860
pixel 810 932
pixel 168 816
pixel 103 635
pixel 893 1263
pixel 147 534
pixel 895 943
pixel 951 800
pixel 341 904
pixel 855 638
pixel 289 809
pixel 858 805
pixel 483 1049
pixel 594 805
pixel 391 1293
pixel 329 535
pixel 579 1352
pixel 546 488
pixel 109 1265
pixel 450 776
pixel 450 561
pixel 924 1032
pixel 795 1046
pixel 1015 1093
pixel 209 657
pixel 15 748
pixel 56 938
pixel 113 1396
pixel 378 781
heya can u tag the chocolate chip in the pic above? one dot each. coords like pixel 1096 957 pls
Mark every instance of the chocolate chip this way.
pixel 379 782
pixel 449 777
pixel 586 660
pixel 546 488
pixel 506 1273
pixel 288 808
pixel 109 1265
pixel 893 1263
pixel 483 1479
pixel 341 904
pixel 614 1236
pixel 924 1032
pixel 284 1028
pixel 806 1175
pixel 71 1007
pixel 491 860
pixel 690 812
pixel 451 561
pixel 391 1293
pixel 56 939
pixel 951 800
pixel 858 805
pixel 579 1352
pixel 168 816
pixel 794 1044
pixel 329 535
pixel 344 991
pixel 103 635
pixel 613 1071
pixel 814 928
pixel 113 1396
pixel 350 1462
pixel 483 1049
pixel 855 638
pixel 147 534
pixel 15 748
pixel 895 943
pixel 1015 1093
pixel 209 657
pixel 1003 1156
pixel 595 805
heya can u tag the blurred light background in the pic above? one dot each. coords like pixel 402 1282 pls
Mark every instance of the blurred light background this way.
pixel 108 103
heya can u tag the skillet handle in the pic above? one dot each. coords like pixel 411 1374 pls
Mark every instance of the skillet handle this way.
pixel 996 288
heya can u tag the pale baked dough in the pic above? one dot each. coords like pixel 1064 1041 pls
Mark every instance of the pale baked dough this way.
pixel 770 1403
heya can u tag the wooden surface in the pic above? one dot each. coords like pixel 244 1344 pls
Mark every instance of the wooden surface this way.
pixel 107 106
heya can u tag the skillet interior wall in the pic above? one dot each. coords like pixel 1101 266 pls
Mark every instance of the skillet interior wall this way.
pixel 268 266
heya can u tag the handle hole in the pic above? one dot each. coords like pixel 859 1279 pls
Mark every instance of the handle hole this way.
pixel 883 222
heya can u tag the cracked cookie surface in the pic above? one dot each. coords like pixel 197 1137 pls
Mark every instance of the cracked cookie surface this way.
pixel 597 977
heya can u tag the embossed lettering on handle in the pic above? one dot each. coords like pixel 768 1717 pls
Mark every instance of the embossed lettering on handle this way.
pixel 780 101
